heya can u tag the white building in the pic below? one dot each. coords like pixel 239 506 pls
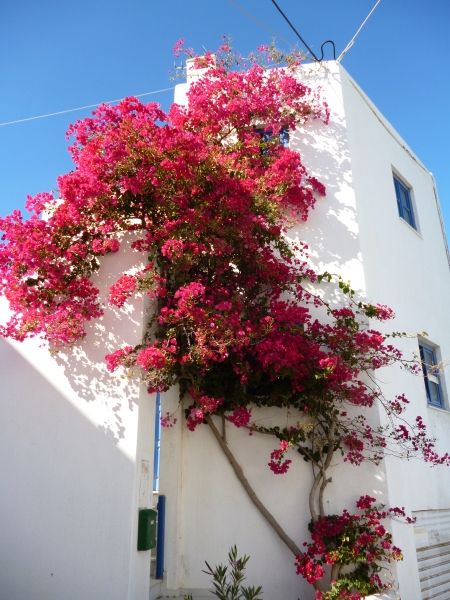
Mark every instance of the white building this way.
pixel 396 255
pixel 76 461
pixel 76 447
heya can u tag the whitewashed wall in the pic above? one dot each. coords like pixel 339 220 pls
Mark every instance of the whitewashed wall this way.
pixel 409 271
pixel 207 509
pixel 76 461
pixel 354 231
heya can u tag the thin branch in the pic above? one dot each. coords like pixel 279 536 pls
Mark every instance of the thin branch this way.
pixel 335 570
pixel 251 492
pixel 224 430
pixel 312 496
pixel 326 466
pixel 325 481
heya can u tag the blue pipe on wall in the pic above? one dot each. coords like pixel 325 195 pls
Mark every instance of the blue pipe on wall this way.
pixel 157 447
pixel 161 508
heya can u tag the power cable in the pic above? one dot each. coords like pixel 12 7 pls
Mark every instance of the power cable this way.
pixel 70 110
pixel 324 44
pixel 255 20
pixel 352 41
pixel 297 33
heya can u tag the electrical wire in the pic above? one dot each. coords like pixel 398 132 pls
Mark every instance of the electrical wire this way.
pixel 241 8
pixel 70 110
pixel 296 32
pixel 255 20
pixel 357 32
pixel 324 44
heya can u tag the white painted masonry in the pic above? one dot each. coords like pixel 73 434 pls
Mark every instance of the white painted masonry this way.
pixel 76 460
pixel 355 231
pixel 76 445
pixel 409 271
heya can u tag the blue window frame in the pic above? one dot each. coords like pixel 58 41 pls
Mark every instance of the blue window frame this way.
pixel 431 377
pixel 283 136
pixel 404 202
pixel 267 136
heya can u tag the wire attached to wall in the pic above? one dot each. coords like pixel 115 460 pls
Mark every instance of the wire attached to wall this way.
pixel 324 44
pixel 257 21
pixel 357 32
pixel 315 57
pixel 295 31
pixel 70 110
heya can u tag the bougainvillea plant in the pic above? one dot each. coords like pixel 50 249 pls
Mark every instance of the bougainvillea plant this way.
pixel 209 193
pixel 360 540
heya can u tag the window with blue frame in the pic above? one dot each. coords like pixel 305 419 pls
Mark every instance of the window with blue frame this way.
pixel 267 136
pixel 431 378
pixel 404 202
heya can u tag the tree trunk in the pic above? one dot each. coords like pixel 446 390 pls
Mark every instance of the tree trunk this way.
pixel 251 492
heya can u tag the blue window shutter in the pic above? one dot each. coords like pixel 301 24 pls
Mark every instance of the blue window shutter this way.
pixel 404 202
pixel 266 136
pixel 431 377
pixel 398 196
pixel 284 137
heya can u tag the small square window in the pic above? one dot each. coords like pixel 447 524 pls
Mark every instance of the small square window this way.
pixel 267 137
pixel 404 202
pixel 431 376
pixel 283 136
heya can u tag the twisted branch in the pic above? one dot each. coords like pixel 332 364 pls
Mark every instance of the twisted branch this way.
pixel 251 492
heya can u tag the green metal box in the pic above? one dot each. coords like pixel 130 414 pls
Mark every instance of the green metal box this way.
pixel 146 529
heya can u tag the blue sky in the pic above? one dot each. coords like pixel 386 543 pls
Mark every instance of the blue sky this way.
pixel 58 55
